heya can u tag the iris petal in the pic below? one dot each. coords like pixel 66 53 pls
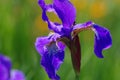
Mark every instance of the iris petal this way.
pixel 40 43
pixel 52 54
pixel 17 75
pixel 5 70
pixel 4 74
pixel 56 27
pixel 6 62
pixel 46 62
pixel 51 61
pixel 66 12
pixel 81 27
pixel 103 40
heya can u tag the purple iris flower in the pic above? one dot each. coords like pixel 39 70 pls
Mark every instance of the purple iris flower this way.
pixel 51 47
pixel 5 70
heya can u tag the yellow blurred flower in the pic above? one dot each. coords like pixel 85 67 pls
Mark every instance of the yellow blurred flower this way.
pixel 53 17
pixel 98 9
pixel 117 1
pixel 79 4
pixel 40 24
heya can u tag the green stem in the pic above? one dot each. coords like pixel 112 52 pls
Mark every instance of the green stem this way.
pixel 77 77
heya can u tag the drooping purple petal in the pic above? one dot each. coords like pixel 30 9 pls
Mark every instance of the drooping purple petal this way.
pixel 102 36
pixel 46 62
pixel 41 42
pixel 59 57
pixel 81 27
pixel 17 75
pixel 52 54
pixel 58 60
pixel 66 12
pixel 6 62
pixel 103 40
pixel 4 74
pixel 61 45
pixel 51 61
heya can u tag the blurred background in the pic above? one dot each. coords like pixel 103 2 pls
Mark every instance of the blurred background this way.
pixel 21 24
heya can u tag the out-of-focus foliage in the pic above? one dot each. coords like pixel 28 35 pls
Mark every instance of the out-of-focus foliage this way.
pixel 21 24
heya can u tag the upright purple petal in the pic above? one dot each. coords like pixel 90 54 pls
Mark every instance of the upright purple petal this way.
pixel 103 40
pixel 41 3
pixel 52 54
pixel 64 9
pixel 56 27
pixel 66 12
pixel 17 75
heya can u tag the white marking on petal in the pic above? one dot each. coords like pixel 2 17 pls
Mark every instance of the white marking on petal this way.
pixel 107 47
pixel 96 33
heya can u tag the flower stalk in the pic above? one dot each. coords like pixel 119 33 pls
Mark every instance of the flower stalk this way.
pixel 77 77
pixel 75 49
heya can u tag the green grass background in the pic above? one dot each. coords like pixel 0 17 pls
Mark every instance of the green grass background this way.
pixel 21 24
